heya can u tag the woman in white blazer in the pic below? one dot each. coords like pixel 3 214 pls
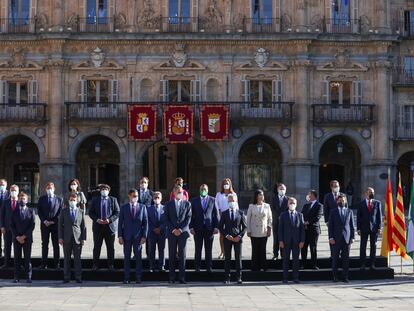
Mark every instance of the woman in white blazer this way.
pixel 259 228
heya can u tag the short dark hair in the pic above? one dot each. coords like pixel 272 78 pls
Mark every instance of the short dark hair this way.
pixel 73 195
pixel 131 191
pixel 104 186
pixel 332 182
pixel 256 194
pixel 23 194
pixel 314 193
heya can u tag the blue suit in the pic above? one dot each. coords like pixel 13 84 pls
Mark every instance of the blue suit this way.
pixel 3 197
pixel 49 212
pixel 341 229
pixel 203 222
pixel 180 222
pixel 6 212
pixel 132 230
pixel 369 225
pixel 156 240
pixel 291 233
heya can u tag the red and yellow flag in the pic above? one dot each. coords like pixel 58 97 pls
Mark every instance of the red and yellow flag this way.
pixel 387 244
pixel 399 232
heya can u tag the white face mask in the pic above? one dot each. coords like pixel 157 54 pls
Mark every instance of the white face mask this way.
pixel 14 193
pixel 179 196
pixel 50 192
pixel 233 205
pixel 292 207
pixel 72 204
pixel 134 200
pixel 73 187
pixel 281 192
pixel 104 193
pixel 226 187
pixel 2 188
pixel 336 189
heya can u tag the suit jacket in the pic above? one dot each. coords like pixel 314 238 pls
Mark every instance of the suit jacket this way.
pixel 6 213
pixel 133 228
pixel 204 219
pixel 313 215
pixel 23 226
pixel 329 203
pixel 153 221
pixel 112 212
pixel 181 222
pixel 277 208
pixel 291 233
pixel 366 221
pixel 47 212
pixel 6 195
pixel 68 229
pixel 146 199
pixel 338 227
pixel 236 227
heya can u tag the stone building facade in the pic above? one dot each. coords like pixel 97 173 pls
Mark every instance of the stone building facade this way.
pixel 317 89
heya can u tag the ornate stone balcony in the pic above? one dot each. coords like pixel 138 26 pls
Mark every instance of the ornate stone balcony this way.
pixel 340 114
pixel 14 113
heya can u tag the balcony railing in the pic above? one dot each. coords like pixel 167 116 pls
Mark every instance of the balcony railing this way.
pixel 402 27
pixel 404 129
pixel 342 26
pixel 279 111
pixel 262 25
pixel 95 24
pixel 180 24
pixel 403 76
pixel 339 114
pixel 35 112
pixel 17 25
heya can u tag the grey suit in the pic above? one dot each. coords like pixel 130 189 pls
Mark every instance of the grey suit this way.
pixel 72 232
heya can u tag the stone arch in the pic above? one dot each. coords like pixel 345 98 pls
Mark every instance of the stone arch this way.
pixel 20 131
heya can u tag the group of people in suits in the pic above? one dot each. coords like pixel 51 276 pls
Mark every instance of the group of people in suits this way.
pixel 144 220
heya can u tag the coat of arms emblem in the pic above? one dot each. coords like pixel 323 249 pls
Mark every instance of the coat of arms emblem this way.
pixel 214 123
pixel 178 124
pixel 143 121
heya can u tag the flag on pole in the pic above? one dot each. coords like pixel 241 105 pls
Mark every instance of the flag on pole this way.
pixel 387 244
pixel 399 223
pixel 410 231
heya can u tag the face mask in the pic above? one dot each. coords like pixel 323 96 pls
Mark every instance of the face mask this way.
pixel 50 192
pixel 13 193
pixel 104 193
pixel 72 204
pixel 336 189
pixel 341 204
pixel 371 196
pixel 134 200
pixel 233 205
pixel 226 187
pixel 203 193
pixel 23 203
pixel 180 184
pixel 281 192
pixel 308 198
pixel 179 196
pixel 143 186
pixel 292 207
pixel 2 188
pixel 157 201
pixel 74 187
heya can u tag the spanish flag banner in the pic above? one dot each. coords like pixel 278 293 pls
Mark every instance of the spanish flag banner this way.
pixel 387 242
pixel 399 223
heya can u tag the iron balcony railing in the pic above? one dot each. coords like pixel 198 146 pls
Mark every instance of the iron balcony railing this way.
pixel 118 111
pixel 343 114
pixel 17 25
pixel 342 26
pixel 34 112
pixel 403 76
pixel 95 24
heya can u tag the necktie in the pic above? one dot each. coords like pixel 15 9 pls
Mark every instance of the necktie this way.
pixel 291 219
pixel 1 195
pixel 280 201
pixel 103 212
pixel 232 215
pixel 13 205
pixel 203 203
pixel 50 201
pixel 158 213
pixel 72 214
pixel 177 207
pixel 22 212
pixel 133 211
pixel 369 206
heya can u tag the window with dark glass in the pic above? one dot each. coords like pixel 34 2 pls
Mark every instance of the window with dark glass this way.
pixel 340 93
pixel 19 12
pixel 261 91
pixel 17 93
pixel 262 11
pixel 341 10
pixel 97 91
pixel 179 11
pixel 97 11
pixel 179 91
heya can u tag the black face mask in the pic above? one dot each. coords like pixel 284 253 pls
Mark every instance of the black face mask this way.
pixel 371 196
pixel 21 203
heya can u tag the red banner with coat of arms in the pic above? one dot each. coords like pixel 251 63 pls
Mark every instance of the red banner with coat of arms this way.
pixel 178 124
pixel 214 122
pixel 142 122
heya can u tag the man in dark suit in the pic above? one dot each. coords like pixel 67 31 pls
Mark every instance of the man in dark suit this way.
pixel 312 213
pixel 279 205
pixel 368 225
pixel 48 210
pixel 132 234
pixel 233 226
pixel 341 235
pixel 330 199
pixel 178 217
pixel 6 212
pixel 4 195
pixel 291 238
pixel 145 194
pixel 104 213
pixel 204 225
pixel 22 226
pixel 72 236
pixel 157 232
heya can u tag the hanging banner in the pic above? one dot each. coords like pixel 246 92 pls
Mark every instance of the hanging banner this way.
pixel 214 122
pixel 178 124
pixel 142 122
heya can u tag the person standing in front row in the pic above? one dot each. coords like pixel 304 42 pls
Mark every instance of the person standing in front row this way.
pixel 222 204
pixel 132 234
pixel 4 195
pixel 178 217
pixel 72 237
pixel 204 225
pixel 279 205
pixel 233 225
pixel 341 235
pixel 259 228
pixel 74 187
pixel 49 207
pixel 368 225
pixel 104 213
pixel 157 232
pixel 291 239
pixel 22 226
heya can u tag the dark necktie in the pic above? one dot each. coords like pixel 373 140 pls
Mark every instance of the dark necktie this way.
pixel 72 214
pixel 203 203
pixel 104 207
pixel 133 211
pixel 22 213
pixel 50 201
pixel 1 195
pixel 291 219
pixel 232 215
pixel 13 205
pixel 369 206
pixel 159 213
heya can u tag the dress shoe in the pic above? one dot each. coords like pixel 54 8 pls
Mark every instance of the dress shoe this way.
pixel 126 281
pixel 227 281
pixel 197 270
pixel 57 267
pixel 301 267
pixel 274 258
pixel 138 281
pixel 162 269
pixel 151 271
pixel 239 281
pixel 42 266
pixel 183 282
pixel 345 280
pixel 171 281
pixel 16 281
pixel 79 281
pixel 111 268
pixel 315 268
pixel 335 279
pixel 29 281
pixel 65 281
pixel 362 268
pixel 372 267
pixel 209 271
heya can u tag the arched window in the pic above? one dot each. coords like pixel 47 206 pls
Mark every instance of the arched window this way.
pixel 212 90
pixel 262 11
pixel 146 90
